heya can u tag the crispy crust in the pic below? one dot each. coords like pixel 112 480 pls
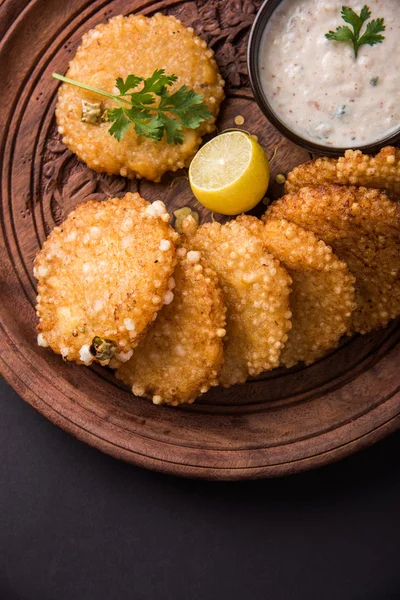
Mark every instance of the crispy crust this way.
pixel 322 297
pixel 138 45
pixel 354 168
pixel 182 354
pixel 104 272
pixel 256 292
pixel 363 228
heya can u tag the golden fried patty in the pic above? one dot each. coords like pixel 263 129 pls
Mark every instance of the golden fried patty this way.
pixel 103 276
pixel 137 45
pixel 363 228
pixel 256 292
pixel 322 297
pixel 354 168
pixel 182 353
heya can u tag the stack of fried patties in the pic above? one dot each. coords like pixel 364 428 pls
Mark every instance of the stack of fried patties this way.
pixel 176 314
pixel 117 286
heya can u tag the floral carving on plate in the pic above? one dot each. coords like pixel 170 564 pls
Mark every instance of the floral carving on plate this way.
pixel 225 26
pixel 66 181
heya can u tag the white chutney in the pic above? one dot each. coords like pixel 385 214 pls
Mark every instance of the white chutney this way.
pixel 317 87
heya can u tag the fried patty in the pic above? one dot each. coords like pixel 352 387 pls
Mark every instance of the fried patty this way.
pixel 182 354
pixel 363 228
pixel 256 293
pixel 354 168
pixel 136 45
pixel 103 276
pixel 322 297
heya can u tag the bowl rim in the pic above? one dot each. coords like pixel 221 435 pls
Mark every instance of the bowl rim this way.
pixel 264 13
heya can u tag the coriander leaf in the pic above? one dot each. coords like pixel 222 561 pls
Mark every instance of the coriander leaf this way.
pixel 152 128
pixel 187 105
pixel 152 110
pixel 158 81
pixel 131 82
pixel 156 84
pixel 173 130
pixel 120 123
pixel 145 123
pixel 182 98
pixel 365 13
pixel 371 35
pixel 341 34
pixel 372 32
pixel 138 98
pixel 191 117
pixel 349 16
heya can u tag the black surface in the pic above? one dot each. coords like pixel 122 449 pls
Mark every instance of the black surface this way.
pixel 76 524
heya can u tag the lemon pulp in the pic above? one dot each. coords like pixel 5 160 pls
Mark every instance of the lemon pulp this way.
pixel 230 174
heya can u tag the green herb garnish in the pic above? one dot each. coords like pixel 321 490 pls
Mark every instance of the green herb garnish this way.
pixel 91 112
pixel 374 81
pixel 102 348
pixel 371 35
pixel 152 110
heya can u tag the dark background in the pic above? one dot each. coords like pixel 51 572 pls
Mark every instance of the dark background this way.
pixel 77 524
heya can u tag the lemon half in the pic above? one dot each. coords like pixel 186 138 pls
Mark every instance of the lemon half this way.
pixel 230 174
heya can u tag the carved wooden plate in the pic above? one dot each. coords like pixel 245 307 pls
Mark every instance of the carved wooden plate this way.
pixel 280 422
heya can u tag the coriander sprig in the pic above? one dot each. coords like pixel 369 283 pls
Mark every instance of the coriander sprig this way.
pixel 371 35
pixel 152 110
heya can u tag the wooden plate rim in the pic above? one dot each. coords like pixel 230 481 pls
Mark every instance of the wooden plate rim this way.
pixel 386 414
pixel 388 410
